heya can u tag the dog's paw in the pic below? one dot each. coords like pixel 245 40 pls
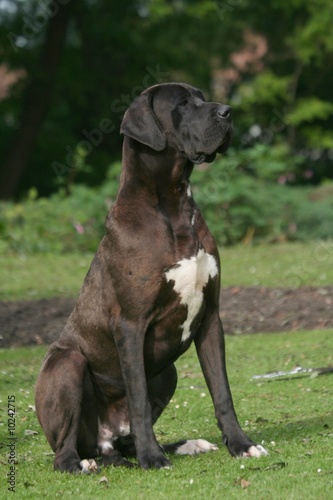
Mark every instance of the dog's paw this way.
pixel 195 446
pixel 88 466
pixel 256 451
pixel 154 462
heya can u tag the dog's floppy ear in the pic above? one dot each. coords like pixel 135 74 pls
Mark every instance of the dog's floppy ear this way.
pixel 141 124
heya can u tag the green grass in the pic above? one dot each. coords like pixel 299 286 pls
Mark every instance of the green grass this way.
pixel 284 265
pixel 42 275
pixel 293 418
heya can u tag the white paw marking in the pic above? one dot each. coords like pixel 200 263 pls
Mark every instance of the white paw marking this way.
pixel 124 429
pixel 194 446
pixel 190 277
pixel 105 438
pixel 256 451
pixel 88 466
pixel 105 446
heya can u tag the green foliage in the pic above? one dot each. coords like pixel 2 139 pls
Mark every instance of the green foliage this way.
pixel 244 196
pixel 54 224
pixel 317 137
pixel 309 110
pixel 189 40
pixel 314 212
pixel 59 223
pixel 313 38
pixel 294 77
pixel 265 88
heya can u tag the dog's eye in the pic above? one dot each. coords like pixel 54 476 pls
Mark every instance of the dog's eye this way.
pixel 183 103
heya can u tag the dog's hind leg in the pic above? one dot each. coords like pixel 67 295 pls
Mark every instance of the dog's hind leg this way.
pixel 66 409
pixel 161 389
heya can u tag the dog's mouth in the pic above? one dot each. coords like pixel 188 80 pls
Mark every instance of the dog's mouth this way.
pixel 209 156
pixel 226 141
pixel 203 158
pixel 224 146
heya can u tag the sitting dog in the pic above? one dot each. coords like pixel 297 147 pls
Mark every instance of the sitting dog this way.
pixel 152 288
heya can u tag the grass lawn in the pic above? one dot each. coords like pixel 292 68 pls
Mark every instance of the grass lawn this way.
pixel 292 418
pixel 283 265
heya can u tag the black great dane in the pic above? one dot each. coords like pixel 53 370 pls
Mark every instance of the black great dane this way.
pixel 152 288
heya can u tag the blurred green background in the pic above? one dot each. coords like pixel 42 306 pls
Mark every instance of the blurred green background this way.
pixel 69 69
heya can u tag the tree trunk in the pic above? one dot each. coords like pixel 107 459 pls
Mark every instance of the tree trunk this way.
pixel 36 101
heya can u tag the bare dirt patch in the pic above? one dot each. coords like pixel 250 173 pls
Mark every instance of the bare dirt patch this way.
pixel 243 310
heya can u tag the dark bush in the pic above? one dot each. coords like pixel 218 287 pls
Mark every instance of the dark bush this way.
pixel 244 196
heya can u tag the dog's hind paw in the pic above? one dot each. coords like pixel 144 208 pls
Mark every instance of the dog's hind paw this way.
pixel 256 451
pixel 88 466
pixel 195 446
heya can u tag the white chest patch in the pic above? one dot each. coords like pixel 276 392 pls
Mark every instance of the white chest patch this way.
pixel 190 277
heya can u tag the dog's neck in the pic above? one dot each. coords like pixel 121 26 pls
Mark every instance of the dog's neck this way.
pixel 163 180
pixel 153 184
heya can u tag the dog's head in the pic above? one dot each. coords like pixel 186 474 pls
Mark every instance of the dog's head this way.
pixel 177 115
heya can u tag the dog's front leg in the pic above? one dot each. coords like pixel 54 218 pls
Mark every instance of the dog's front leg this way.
pixel 130 341
pixel 211 352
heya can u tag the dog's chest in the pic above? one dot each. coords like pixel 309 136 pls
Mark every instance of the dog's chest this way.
pixel 190 276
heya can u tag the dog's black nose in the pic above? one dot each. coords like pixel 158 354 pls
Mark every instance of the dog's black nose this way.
pixel 224 111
